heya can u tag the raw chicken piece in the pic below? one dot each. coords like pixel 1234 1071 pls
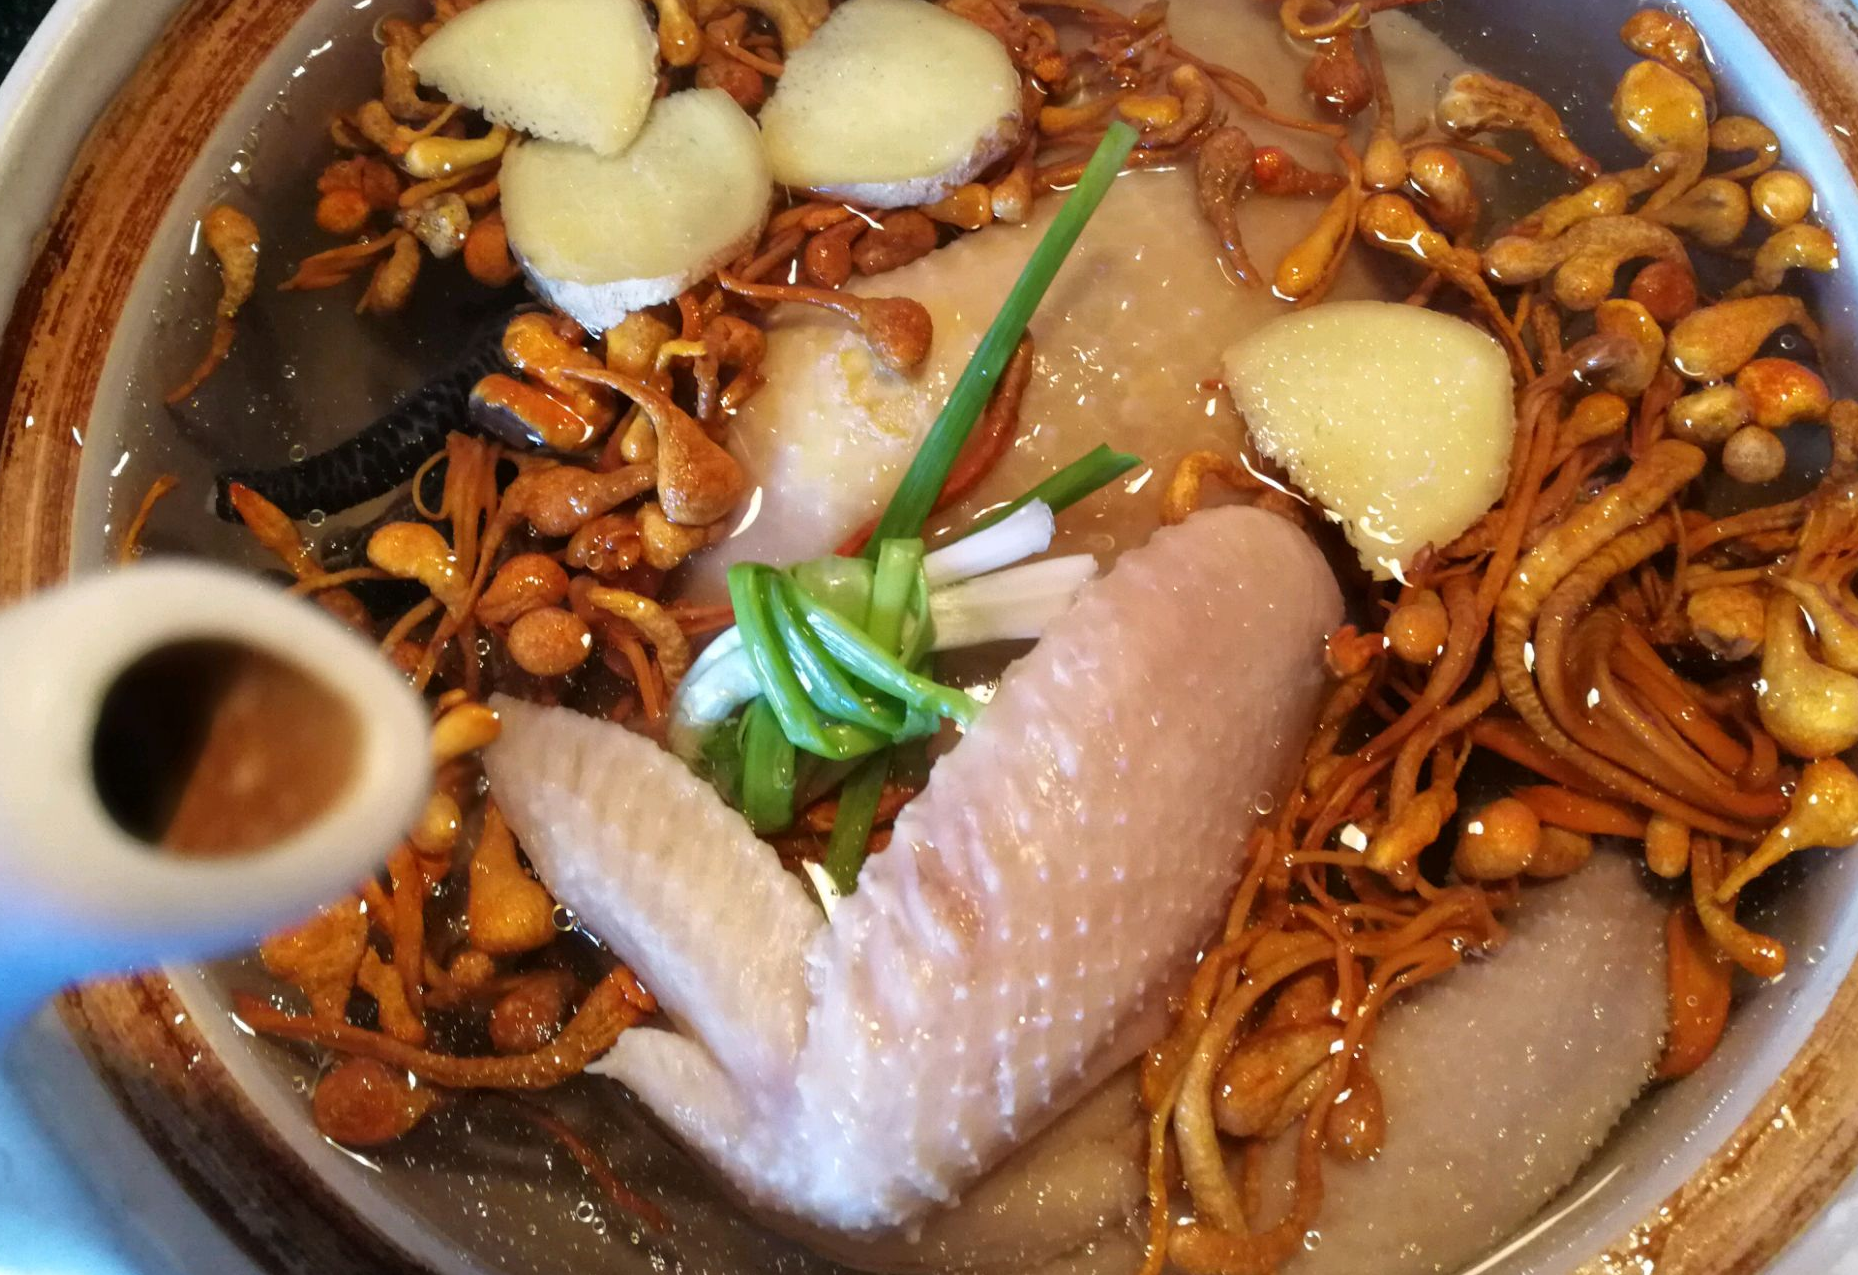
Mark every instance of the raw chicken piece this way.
pixel 1499 1081
pixel 685 857
pixel 1548 1042
pixel 1038 900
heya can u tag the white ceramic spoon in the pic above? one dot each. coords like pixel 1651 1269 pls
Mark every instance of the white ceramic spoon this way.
pixel 127 690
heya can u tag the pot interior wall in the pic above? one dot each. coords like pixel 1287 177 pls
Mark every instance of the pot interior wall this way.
pixel 478 1190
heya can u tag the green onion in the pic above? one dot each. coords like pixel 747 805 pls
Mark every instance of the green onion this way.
pixel 919 633
pixel 720 759
pixel 1088 473
pixel 851 829
pixel 844 584
pixel 749 591
pixel 865 660
pixel 909 509
pixel 922 723
pixel 845 741
pixel 831 691
pixel 899 567
pixel 836 646
pixel 768 762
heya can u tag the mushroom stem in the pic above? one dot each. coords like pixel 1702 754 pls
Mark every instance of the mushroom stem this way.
pixel 898 329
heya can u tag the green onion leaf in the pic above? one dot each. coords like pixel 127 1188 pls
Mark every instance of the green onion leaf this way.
pixel 899 567
pixel 919 628
pixel 768 770
pixel 845 741
pixel 1088 473
pixel 922 723
pixel 831 691
pixel 851 830
pixel 858 655
pixel 720 760
pixel 844 584
pixel 909 509
pixel 749 591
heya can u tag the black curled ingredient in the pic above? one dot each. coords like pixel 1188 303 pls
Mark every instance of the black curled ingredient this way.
pixel 379 458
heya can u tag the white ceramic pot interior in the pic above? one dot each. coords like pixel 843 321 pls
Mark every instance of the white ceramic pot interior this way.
pixel 306 372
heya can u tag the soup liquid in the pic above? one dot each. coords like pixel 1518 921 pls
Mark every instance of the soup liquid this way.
pixel 210 748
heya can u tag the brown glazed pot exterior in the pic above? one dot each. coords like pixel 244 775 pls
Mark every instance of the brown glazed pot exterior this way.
pixel 51 358
pixel 1754 1194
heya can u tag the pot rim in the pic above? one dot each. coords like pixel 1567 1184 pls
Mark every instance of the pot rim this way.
pixel 47 102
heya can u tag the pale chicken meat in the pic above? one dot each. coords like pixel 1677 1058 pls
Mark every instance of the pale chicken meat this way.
pixel 1038 902
pixel 1546 1044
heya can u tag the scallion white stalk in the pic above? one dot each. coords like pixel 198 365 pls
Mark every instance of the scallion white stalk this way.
pixel 1011 605
pixel 1022 533
pixel 721 681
